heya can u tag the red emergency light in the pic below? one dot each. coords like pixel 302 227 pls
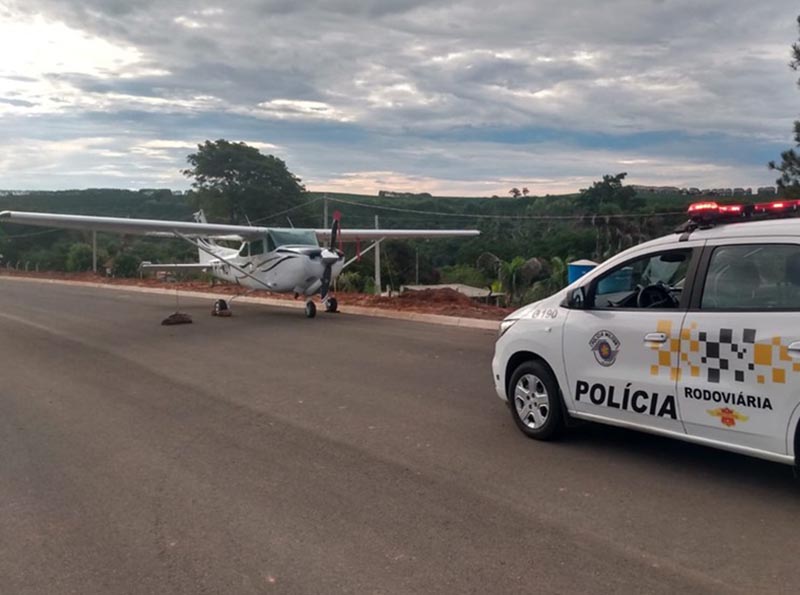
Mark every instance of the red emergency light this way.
pixel 709 212
pixel 703 207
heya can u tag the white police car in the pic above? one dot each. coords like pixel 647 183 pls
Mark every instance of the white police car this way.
pixel 695 335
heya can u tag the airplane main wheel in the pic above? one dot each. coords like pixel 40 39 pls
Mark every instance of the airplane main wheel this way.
pixel 311 310
pixel 332 305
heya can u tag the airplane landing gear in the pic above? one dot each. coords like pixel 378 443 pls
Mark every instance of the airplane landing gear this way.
pixel 311 309
pixel 331 305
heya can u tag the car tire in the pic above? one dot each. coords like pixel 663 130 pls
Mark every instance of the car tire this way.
pixel 535 401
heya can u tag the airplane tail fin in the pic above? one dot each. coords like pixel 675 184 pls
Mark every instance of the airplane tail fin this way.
pixel 203 256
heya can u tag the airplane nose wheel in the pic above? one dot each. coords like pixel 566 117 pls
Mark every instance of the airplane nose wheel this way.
pixel 331 305
pixel 311 309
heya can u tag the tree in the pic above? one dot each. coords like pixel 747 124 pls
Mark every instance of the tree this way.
pixel 610 192
pixel 79 257
pixel 510 273
pixel 525 192
pixel 125 265
pixel 234 181
pixel 789 167
pixel 546 287
pixel 515 192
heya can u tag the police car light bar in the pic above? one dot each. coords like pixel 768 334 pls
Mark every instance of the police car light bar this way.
pixel 709 212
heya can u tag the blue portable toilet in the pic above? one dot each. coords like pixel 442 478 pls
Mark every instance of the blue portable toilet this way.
pixel 578 268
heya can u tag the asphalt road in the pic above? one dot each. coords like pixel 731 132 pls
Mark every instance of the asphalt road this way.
pixel 270 453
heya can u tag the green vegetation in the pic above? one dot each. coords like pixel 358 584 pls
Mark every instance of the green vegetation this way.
pixel 789 166
pixel 525 241
pixel 523 249
pixel 236 182
pixel 79 257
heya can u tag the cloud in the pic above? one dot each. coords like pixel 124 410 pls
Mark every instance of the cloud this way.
pixel 446 94
pixel 299 109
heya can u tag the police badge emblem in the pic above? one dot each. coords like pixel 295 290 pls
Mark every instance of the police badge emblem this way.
pixel 605 346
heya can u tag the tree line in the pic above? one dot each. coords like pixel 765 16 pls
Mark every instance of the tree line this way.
pixel 522 251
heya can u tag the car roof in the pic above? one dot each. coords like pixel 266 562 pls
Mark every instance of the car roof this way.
pixel 743 229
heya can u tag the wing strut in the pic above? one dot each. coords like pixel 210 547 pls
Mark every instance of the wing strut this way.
pixel 362 252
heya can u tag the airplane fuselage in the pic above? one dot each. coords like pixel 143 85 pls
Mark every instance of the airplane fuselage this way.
pixel 287 269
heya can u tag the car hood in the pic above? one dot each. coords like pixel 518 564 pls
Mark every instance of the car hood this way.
pixel 530 311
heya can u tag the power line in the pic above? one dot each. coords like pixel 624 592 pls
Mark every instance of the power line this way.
pixel 289 210
pixel 31 234
pixel 512 217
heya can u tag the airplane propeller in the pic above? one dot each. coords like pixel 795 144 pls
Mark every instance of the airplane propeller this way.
pixel 337 217
pixel 330 257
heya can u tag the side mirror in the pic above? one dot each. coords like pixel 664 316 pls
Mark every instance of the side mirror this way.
pixel 577 298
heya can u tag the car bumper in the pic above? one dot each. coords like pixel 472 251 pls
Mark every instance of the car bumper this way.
pixel 499 377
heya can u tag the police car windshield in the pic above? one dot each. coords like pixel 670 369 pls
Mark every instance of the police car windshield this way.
pixel 660 270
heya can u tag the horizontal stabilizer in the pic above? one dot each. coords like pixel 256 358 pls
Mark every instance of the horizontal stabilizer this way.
pixel 189 266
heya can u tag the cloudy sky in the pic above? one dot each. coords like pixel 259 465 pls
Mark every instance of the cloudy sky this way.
pixel 459 97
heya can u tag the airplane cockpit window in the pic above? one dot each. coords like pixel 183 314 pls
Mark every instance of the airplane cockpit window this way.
pixel 653 281
pixel 252 248
pixel 293 237
pixel 257 247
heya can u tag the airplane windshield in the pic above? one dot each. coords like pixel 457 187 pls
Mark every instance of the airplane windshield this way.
pixel 287 237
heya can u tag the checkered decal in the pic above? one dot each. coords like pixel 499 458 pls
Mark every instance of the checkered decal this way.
pixel 730 355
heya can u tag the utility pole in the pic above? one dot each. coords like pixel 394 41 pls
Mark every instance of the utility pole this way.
pixel 417 276
pixel 377 261
pixel 325 213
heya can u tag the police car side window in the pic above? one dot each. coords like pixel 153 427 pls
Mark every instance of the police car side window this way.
pixel 753 277
pixel 653 281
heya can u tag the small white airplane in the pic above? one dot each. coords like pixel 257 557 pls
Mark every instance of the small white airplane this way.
pixel 278 259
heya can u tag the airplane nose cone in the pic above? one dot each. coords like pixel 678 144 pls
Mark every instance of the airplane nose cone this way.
pixel 330 257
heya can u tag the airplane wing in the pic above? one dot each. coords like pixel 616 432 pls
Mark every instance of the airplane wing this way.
pixel 353 235
pixel 147 227
pixel 161 228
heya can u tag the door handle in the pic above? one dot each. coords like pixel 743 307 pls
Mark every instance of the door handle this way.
pixel 662 338
pixel 794 349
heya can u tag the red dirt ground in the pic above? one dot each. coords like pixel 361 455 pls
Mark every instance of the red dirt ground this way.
pixel 447 302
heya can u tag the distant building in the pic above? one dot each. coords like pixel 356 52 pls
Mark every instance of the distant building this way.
pixel 393 194
pixel 152 191
pixel 693 191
